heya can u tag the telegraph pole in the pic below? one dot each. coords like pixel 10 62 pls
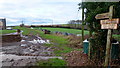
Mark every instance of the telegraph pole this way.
pixel 82 22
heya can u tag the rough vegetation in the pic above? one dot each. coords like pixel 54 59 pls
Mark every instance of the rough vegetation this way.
pixel 73 31
pixel 99 45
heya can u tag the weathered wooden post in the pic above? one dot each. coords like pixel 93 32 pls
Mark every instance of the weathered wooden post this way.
pixel 89 49
pixel 108 45
pixel 108 24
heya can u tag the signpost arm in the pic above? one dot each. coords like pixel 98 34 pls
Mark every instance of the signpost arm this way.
pixel 108 45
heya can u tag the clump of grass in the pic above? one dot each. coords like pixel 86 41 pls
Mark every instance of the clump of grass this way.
pixel 51 62
pixel 117 37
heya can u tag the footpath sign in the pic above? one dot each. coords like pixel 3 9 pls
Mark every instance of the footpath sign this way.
pixel 102 16
pixel 109 26
pixel 109 23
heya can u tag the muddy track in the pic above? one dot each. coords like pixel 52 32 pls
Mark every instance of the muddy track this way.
pixel 27 52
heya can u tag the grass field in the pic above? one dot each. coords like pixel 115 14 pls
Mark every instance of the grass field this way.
pixel 73 31
pixel 27 31
pixel 7 31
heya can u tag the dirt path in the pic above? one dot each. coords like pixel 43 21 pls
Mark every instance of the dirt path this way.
pixel 26 52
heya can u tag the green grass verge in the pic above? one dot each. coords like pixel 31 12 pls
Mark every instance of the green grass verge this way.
pixel 52 62
pixel 59 42
pixel 73 31
pixel 7 31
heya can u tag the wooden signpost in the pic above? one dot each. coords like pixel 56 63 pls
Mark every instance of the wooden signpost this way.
pixel 108 24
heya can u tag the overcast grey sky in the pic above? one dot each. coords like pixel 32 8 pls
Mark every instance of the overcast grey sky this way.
pixel 39 11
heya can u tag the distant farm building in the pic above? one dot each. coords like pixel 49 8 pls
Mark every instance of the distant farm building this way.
pixel 2 23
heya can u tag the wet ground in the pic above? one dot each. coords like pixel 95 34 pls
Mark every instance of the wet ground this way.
pixel 27 52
